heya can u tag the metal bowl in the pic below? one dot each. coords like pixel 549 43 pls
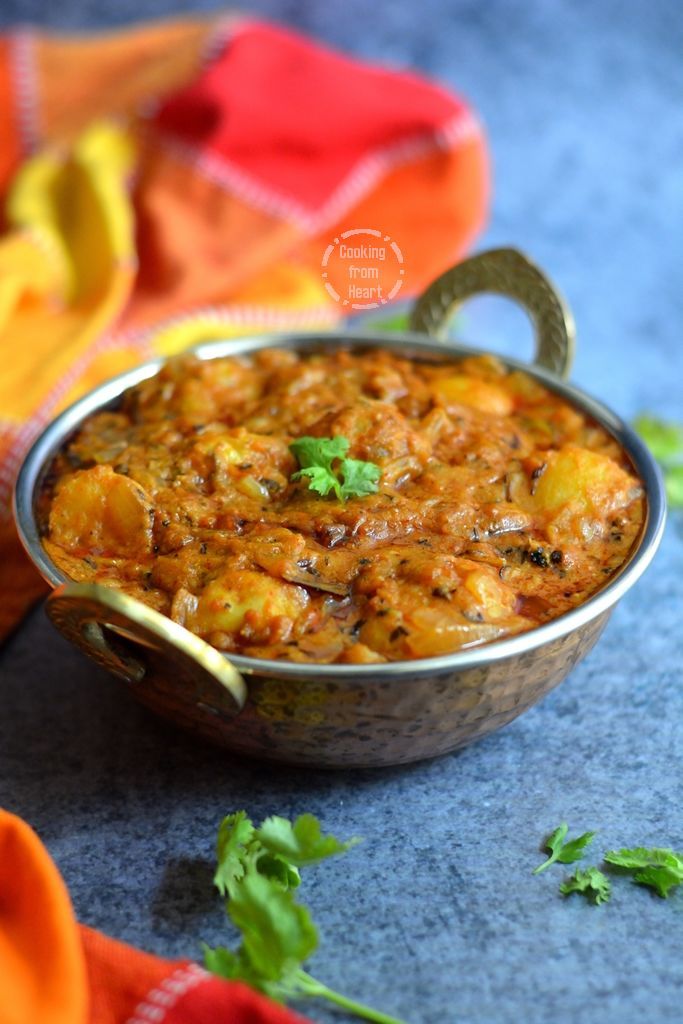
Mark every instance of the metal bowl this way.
pixel 347 715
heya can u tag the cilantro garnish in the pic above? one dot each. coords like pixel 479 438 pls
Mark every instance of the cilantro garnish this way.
pixel 590 881
pixel 302 843
pixel 258 869
pixel 349 478
pixel 565 853
pixel 665 441
pixel 239 848
pixel 660 868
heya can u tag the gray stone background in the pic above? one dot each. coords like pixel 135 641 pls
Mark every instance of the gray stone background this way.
pixel 436 916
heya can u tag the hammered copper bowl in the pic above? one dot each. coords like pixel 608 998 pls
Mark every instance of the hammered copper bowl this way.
pixel 346 715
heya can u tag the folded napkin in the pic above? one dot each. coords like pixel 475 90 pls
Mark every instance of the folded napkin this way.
pixel 54 971
pixel 181 181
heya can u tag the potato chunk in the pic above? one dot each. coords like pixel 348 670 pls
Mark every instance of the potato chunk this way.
pixel 102 512
pixel 424 631
pixel 246 602
pixel 578 493
pixel 474 393
pixel 594 483
pixel 252 463
pixel 492 597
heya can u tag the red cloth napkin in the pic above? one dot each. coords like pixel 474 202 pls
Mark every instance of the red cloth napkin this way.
pixel 180 181
pixel 54 971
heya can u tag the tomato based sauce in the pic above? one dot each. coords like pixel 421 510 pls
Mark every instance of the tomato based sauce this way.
pixel 500 506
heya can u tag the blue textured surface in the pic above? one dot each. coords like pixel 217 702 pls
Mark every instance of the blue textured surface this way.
pixel 436 916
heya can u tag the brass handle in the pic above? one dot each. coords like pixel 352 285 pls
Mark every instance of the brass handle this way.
pixel 504 272
pixel 147 649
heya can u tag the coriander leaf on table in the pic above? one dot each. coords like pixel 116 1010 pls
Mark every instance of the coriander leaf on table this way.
pixel 590 881
pixel 277 936
pixel 565 853
pixel 277 933
pixel 554 844
pixel 665 441
pixel 221 961
pixel 238 848
pixel 642 857
pixel 661 879
pixel 234 835
pixel 301 843
pixel 673 481
pixel 658 867
pixel 231 966
pixel 278 869
pixel 573 850
pixel 397 322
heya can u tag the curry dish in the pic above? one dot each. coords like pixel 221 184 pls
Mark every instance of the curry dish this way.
pixel 499 506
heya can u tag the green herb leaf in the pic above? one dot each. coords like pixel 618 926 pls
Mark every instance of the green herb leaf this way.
pixel 257 868
pixel 573 850
pixel 315 456
pixel 642 857
pixel 665 441
pixel 301 843
pixel 224 963
pixel 590 881
pixel 658 867
pixel 397 322
pixel 278 869
pixel 673 480
pixel 277 933
pixel 351 478
pixel 239 848
pixel 565 853
pixel 360 478
pixel 232 850
pixel 661 879
pixel 320 480
pixel 318 451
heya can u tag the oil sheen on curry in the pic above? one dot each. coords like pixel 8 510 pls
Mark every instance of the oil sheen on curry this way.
pixel 498 505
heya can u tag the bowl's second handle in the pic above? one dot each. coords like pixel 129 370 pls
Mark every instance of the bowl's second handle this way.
pixel 505 272
pixel 162 661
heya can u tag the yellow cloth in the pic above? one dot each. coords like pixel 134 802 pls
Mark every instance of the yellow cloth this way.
pixel 180 181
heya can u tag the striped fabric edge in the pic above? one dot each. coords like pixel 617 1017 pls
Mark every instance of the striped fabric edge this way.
pixel 462 129
pixel 155 1006
pixel 21 45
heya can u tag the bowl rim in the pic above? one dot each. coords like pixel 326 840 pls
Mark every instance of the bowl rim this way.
pixel 53 436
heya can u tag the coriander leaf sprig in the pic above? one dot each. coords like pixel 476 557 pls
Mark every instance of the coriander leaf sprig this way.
pixel 239 848
pixel 302 843
pixel 317 456
pixel 258 870
pixel 659 867
pixel 665 441
pixel 565 853
pixel 590 881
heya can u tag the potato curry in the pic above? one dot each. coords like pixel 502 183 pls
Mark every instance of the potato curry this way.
pixel 493 505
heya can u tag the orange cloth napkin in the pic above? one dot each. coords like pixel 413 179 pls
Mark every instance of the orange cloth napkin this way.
pixel 54 971
pixel 181 181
